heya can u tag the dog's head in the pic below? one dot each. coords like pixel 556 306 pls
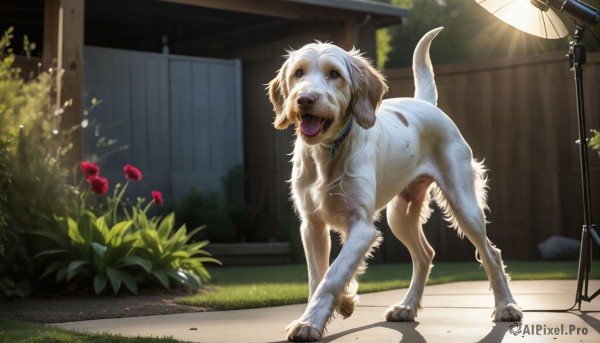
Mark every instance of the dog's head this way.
pixel 320 86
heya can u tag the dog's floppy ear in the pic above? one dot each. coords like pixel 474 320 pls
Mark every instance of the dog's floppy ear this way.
pixel 278 93
pixel 368 88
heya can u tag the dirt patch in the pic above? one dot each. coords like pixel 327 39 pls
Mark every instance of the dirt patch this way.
pixel 60 309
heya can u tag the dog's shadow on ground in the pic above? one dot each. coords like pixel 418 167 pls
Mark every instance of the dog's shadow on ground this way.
pixel 497 333
pixel 407 329
pixel 410 333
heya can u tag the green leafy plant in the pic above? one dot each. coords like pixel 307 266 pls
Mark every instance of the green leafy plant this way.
pixel 17 267
pixel 89 249
pixel 595 141
pixel 115 250
pixel 172 256
pixel 5 179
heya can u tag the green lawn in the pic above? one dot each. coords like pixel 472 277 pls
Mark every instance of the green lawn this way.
pixel 14 331
pixel 242 287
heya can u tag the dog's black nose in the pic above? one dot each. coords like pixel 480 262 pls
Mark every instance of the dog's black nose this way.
pixel 306 100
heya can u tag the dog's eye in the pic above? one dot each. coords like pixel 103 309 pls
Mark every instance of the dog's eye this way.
pixel 299 73
pixel 334 74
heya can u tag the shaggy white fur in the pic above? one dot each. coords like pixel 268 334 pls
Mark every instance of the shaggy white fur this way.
pixel 403 153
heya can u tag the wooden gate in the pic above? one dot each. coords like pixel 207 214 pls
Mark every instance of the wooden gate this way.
pixel 176 118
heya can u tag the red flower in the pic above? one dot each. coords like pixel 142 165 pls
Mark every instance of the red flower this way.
pixel 89 169
pixel 98 185
pixel 132 173
pixel 157 196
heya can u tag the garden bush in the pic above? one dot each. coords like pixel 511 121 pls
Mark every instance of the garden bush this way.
pixel 31 151
pixel 244 217
pixel 196 208
pixel 228 218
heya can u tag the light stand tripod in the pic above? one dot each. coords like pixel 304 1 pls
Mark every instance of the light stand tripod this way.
pixel 584 16
pixel 588 233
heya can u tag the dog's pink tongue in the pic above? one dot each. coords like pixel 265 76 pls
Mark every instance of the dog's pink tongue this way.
pixel 310 125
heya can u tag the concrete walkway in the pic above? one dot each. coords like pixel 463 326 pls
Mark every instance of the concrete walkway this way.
pixel 455 312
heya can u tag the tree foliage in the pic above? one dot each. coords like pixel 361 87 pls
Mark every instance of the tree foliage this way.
pixel 470 34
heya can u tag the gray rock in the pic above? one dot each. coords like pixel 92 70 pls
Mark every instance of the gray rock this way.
pixel 559 248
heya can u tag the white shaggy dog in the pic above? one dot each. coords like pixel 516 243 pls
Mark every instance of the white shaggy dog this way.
pixel 355 155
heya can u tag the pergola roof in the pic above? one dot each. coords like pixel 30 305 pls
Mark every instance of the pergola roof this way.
pixel 359 5
pixel 307 9
pixel 206 26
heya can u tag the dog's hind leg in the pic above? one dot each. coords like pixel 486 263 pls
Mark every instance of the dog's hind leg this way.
pixel 405 214
pixel 463 199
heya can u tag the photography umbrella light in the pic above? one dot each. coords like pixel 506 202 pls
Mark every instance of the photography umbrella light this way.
pixel 537 17
pixel 523 16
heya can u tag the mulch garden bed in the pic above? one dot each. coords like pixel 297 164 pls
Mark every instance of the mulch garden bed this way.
pixel 59 309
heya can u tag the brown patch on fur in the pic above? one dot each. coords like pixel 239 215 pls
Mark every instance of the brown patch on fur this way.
pixel 416 189
pixel 402 118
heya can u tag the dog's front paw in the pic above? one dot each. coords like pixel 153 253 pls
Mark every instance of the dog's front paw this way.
pixel 508 313
pixel 298 331
pixel 400 313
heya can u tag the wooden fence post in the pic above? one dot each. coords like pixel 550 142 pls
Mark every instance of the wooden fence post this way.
pixel 63 49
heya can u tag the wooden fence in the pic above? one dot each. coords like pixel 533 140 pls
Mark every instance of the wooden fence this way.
pixel 179 117
pixel 520 116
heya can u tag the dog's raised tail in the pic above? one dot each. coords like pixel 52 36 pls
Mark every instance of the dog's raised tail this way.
pixel 422 69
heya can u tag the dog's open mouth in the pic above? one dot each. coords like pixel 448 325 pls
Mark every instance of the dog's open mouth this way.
pixel 311 125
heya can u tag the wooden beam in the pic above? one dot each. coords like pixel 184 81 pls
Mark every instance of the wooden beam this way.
pixel 233 38
pixel 347 35
pixel 279 9
pixel 63 49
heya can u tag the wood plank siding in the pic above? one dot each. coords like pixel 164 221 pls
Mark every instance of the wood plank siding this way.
pixel 178 119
